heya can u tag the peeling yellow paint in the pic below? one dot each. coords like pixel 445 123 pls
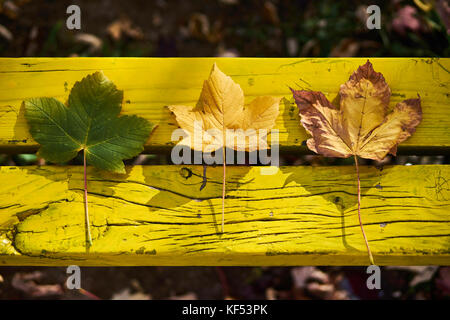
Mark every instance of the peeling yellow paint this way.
pixel 154 215
pixel 150 84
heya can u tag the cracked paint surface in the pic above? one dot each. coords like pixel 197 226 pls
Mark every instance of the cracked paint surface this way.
pixel 154 215
pixel 149 89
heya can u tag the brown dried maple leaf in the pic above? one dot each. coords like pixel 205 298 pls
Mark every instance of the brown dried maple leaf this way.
pixel 362 125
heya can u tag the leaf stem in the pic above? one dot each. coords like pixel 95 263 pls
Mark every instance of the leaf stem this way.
pixel 359 213
pixel 223 189
pixel 86 211
pixel 223 282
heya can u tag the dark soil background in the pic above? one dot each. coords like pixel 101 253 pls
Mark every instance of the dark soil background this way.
pixel 231 28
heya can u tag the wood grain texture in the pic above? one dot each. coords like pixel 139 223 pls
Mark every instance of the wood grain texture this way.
pixel 156 215
pixel 150 84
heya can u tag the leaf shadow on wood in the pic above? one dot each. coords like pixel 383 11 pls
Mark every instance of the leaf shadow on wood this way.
pixel 20 126
pixel 290 116
pixel 189 196
pixel 57 215
pixel 336 185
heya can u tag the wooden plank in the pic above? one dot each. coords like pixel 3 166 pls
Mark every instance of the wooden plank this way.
pixel 149 84
pixel 156 215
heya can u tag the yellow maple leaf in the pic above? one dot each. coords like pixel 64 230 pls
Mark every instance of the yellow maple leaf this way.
pixel 224 120
pixel 221 113
pixel 362 126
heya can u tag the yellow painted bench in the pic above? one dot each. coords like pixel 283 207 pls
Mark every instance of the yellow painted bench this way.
pixel 156 215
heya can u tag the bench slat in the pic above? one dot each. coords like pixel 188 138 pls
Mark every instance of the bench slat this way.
pixel 151 83
pixel 156 215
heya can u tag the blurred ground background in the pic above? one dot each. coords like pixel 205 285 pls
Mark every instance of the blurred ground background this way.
pixel 224 27
pixel 276 28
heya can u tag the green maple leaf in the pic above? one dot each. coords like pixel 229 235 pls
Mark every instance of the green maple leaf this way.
pixel 89 122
